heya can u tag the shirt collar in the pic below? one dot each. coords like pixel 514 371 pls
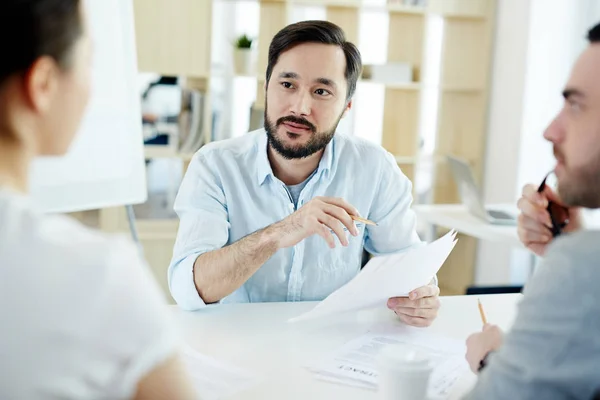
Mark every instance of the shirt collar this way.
pixel 263 166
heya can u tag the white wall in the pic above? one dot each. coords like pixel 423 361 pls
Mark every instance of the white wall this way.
pixel 553 32
pixel 505 116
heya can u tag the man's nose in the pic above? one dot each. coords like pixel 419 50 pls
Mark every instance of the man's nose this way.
pixel 301 105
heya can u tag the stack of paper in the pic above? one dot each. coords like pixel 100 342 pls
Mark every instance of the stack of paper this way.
pixel 386 276
pixel 355 363
pixel 215 379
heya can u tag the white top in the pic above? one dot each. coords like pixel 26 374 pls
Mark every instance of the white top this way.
pixel 81 316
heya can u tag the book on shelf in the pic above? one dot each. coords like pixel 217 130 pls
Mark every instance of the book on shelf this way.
pixel 409 3
pixel 191 121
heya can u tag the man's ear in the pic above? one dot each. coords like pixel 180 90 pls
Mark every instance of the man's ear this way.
pixel 347 109
pixel 41 82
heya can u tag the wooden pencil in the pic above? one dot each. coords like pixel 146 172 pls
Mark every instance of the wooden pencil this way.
pixel 363 220
pixel 481 312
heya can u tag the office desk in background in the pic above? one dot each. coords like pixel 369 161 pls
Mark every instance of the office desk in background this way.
pixel 456 216
pixel 257 337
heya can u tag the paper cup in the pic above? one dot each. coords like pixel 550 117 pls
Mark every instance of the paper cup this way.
pixel 403 373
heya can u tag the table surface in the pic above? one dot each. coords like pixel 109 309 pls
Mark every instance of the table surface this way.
pixel 456 216
pixel 257 337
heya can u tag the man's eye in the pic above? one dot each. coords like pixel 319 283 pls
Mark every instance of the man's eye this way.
pixel 287 85
pixel 322 92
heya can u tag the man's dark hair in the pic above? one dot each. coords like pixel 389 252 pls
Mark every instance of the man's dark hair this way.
pixel 594 34
pixel 30 29
pixel 317 32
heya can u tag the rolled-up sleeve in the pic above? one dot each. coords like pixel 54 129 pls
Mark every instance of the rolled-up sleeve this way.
pixel 203 227
pixel 391 210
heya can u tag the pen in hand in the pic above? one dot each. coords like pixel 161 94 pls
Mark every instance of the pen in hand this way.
pixel 359 220
pixel 481 312
pixel 484 322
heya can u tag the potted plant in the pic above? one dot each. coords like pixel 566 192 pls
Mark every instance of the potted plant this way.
pixel 243 56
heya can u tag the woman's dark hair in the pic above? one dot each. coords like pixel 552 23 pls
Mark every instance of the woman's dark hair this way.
pixel 30 29
pixel 594 34
pixel 317 32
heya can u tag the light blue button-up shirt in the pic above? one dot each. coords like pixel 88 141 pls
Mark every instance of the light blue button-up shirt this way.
pixel 230 191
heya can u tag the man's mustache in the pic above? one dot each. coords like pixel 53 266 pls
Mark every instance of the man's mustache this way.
pixel 558 154
pixel 297 120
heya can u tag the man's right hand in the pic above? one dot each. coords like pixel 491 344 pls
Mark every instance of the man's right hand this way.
pixel 319 216
pixel 534 221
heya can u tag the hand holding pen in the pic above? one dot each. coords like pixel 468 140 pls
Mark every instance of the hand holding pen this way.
pixel 543 216
pixel 481 344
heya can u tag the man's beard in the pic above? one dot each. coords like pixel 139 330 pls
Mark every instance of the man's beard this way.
pixel 580 188
pixel 317 142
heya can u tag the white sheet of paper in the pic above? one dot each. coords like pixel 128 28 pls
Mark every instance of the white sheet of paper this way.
pixel 386 276
pixel 214 379
pixel 354 364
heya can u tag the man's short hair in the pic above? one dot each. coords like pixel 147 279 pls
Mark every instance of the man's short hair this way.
pixel 317 32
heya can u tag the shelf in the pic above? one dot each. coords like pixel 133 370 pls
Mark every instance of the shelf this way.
pixel 420 159
pixel 405 159
pixel 157 229
pixel 395 86
pixel 461 89
pixel 463 16
pixel 328 3
pixel 163 151
pixel 401 9
pixel 358 4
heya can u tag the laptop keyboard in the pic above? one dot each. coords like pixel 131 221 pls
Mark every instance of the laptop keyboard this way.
pixel 500 214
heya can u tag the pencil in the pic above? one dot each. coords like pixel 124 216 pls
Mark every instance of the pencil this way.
pixel 481 313
pixel 364 221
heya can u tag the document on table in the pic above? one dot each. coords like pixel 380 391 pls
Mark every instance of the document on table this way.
pixel 214 379
pixel 383 277
pixel 355 363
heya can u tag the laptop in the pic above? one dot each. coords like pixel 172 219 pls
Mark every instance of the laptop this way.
pixel 471 197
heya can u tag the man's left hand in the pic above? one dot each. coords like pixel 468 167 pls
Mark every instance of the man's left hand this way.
pixel 420 308
pixel 480 344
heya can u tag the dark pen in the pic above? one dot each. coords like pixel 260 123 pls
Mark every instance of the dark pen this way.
pixel 552 209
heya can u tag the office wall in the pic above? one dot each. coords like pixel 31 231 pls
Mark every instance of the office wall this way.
pixel 505 117
pixel 537 42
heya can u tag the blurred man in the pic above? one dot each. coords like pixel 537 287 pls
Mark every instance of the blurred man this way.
pixel 553 349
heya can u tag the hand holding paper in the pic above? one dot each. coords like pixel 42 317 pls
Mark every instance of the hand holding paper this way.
pixel 384 277
pixel 420 308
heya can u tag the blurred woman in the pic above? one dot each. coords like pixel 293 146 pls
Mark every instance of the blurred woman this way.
pixel 81 316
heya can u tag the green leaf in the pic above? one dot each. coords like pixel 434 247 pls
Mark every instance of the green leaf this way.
pixel 244 42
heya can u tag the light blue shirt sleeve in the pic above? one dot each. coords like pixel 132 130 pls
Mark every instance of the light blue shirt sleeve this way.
pixel 391 210
pixel 203 227
pixel 396 221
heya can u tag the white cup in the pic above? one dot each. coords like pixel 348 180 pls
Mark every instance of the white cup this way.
pixel 403 373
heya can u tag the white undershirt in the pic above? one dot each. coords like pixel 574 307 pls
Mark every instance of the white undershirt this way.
pixel 81 316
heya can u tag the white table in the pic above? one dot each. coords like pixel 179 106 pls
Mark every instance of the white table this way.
pixel 456 216
pixel 257 337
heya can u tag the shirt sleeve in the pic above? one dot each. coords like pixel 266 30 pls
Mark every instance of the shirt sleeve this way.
pixel 391 211
pixel 130 330
pixel 552 351
pixel 203 227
